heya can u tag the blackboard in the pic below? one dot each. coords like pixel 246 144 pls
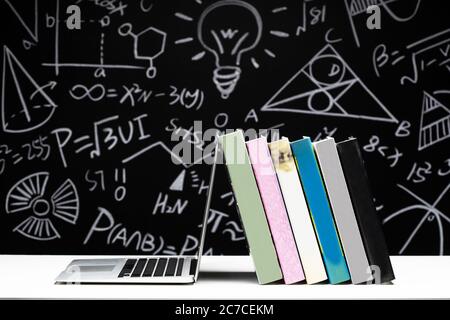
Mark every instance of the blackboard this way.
pixel 87 115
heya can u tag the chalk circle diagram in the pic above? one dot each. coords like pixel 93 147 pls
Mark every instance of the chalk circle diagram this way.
pixel 32 197
pixel 327 86
pixel 422 222
pixel 25 105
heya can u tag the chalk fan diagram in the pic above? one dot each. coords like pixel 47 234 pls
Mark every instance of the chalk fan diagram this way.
pixel 327 86
pixel 434 122
pixel 229 40
pixel 31 196
pixel 25 105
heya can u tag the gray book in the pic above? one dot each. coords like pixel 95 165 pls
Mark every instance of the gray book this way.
pixel 344 215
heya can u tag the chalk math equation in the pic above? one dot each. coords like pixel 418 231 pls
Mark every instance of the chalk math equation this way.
pixel 88 163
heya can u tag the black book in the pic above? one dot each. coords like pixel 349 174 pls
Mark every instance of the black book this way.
pixel 369 223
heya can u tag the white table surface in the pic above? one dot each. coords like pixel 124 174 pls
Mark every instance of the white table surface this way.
pixel 32 277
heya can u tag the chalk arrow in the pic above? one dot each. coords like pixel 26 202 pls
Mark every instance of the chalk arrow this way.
pixel 50 84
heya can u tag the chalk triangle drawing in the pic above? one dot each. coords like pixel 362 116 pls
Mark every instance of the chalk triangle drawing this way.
pixel 178 183
pixel 327 86
pixel 25 105
pixel 360 6
pixel 31 28
pixel 434 122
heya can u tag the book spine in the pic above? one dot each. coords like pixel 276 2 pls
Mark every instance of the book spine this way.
pixel 275 211
pixel 364 208
pixel 320 211
pixel 298 212
pixel 341 205
pixel 250 206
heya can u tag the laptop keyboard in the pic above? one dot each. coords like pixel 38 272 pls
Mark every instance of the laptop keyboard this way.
pixel 156 267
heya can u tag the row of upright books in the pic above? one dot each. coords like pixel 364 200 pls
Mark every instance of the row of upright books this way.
pixel 307 210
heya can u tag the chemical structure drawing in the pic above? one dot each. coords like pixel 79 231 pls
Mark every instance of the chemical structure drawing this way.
pixel 147 45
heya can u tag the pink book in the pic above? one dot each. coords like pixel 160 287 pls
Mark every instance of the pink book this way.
pixel 276 213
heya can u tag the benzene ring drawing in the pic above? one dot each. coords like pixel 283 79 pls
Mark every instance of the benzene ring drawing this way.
pixel 147 45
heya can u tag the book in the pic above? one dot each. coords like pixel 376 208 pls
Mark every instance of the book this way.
pixel 275 209
pixel 319 207
pixel 342 208
pixel 364 208
pixel 250 207
pixel 298 212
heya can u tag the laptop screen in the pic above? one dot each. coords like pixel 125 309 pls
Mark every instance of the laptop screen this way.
pixel 207 208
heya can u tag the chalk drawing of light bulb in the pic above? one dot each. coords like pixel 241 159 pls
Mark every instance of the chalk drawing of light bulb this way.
pixel 228 29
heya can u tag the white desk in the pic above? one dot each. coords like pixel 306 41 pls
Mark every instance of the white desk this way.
pixel 32 277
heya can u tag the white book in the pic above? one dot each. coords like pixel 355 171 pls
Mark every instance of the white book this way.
pixel 298 212
pixel 342 207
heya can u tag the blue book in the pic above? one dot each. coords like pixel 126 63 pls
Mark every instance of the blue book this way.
pixel 320 210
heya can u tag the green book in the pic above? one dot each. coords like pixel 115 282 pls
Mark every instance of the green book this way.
pixel 250 207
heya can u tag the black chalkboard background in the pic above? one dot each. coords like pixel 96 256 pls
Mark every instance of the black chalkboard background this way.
pixel 385 78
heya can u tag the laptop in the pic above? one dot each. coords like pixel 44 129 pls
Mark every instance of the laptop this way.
pixel 141 270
